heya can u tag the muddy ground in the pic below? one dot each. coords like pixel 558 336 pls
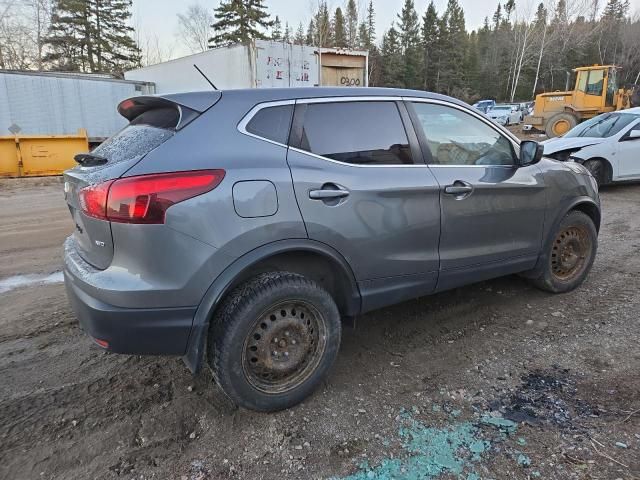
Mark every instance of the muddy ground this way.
pixel 493 381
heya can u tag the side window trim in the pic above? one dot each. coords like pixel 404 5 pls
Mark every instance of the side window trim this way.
pixel 295 138
pixel 423 138
pixel 242 125
pixel 410 131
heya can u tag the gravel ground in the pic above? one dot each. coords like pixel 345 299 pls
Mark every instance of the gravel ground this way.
pixel 495 380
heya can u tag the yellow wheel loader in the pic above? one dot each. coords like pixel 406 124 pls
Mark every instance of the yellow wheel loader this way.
pixel 596 91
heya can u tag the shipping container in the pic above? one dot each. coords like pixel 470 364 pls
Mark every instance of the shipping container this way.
pixel 260 64
pixel 47 103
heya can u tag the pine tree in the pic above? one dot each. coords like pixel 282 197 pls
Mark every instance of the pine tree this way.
pixel 286 36
pixel 409 35
pixel 497 17
pixel 352 24
pixel 92 36
pixel 371 25
pixel 391 60
pixel 311 33
pixel 363 36
pixel 276 29
pixel 323 33
pixel 429 45
pixel 339 39
pixel 240 21
pixel 458 45
pixel 299 38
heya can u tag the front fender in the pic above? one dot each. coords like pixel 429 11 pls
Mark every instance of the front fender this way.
pixel 225 281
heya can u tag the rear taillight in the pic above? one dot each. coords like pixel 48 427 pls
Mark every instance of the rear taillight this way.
pixel 145 198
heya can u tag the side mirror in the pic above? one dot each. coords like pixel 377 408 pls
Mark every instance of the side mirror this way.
pixel 530 153
pixel 632 135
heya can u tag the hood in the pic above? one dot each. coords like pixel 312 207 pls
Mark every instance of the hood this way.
pixel 498 113
pixel 559 144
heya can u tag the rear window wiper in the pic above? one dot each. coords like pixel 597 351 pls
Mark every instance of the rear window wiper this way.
pixel 89 159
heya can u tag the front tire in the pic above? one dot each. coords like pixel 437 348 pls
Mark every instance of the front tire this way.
pixel 273 340
pixel 598 169
pixel 570 255
pixel 560 124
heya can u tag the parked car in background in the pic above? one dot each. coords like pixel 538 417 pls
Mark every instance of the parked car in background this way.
pixel 238 228
pixel 607 145
pixel 529 107
pixel 484 105
pixel 504 114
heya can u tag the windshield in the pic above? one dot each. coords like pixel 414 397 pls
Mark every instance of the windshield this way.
pixel 502 109
pixel 483 104
pixel 602 126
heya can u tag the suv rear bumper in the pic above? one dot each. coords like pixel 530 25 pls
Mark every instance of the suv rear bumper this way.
pixel 138 331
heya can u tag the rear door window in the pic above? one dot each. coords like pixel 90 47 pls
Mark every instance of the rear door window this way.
pixel 360 133
pixel 272 123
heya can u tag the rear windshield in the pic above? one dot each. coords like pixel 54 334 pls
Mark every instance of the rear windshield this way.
pixel 146 132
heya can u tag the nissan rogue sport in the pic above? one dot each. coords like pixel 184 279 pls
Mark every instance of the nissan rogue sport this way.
pixel 239 228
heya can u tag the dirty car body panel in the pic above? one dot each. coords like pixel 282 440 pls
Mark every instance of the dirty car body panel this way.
pixel 386 221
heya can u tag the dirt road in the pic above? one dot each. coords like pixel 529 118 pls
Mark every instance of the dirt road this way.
pixel 492 381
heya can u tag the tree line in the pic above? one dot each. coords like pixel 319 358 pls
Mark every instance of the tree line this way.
pixel 513 55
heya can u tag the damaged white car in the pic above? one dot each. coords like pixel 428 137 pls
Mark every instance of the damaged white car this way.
pixel 607 145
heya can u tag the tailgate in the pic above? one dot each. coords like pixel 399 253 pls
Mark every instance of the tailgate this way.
pixel 153 121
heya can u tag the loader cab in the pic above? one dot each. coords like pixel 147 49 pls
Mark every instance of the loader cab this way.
pixel 595 88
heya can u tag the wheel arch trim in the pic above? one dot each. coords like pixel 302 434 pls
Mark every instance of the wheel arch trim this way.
pixel 223 284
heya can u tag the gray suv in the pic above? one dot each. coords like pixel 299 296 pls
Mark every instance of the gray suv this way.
pixel 239 228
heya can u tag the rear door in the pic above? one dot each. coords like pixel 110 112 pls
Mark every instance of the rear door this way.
pixel 492 211
pixel 363 189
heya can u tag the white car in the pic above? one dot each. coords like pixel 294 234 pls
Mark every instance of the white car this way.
pixel 504 115
pixel 607 145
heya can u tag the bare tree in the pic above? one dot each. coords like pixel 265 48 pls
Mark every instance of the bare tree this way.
pixel 153 51
pixel 194 27
pixel 23 26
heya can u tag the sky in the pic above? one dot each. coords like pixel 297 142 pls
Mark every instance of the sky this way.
pixel 157 18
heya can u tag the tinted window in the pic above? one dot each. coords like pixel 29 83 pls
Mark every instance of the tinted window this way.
pixel 363 133
pixel 457 138
pixel 272 123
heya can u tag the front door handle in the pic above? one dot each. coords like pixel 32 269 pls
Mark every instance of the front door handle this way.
pixel 458 188
pixel 326 194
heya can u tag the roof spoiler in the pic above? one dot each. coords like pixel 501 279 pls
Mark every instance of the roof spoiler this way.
pixel 191 105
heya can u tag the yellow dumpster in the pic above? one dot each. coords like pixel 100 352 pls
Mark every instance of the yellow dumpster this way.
pixel 40 155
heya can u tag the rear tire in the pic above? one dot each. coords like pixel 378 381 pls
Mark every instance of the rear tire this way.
pixel 570 254
pixel 598 169
pixel 560 124
pixel 273 340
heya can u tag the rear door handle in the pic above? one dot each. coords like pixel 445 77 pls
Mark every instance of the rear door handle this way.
pixel 327 194
pixel 458 188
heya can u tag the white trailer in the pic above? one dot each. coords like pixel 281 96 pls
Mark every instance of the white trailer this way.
pixel 47 103
pixel 260 64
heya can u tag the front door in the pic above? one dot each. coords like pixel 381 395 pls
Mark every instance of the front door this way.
pixel 363 189
pixel 629 154
pixel 492 211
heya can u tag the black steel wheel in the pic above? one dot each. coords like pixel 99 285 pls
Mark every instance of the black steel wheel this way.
pixel 569 255
pixel 273 340
pixel 284 347
pixel 570 252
